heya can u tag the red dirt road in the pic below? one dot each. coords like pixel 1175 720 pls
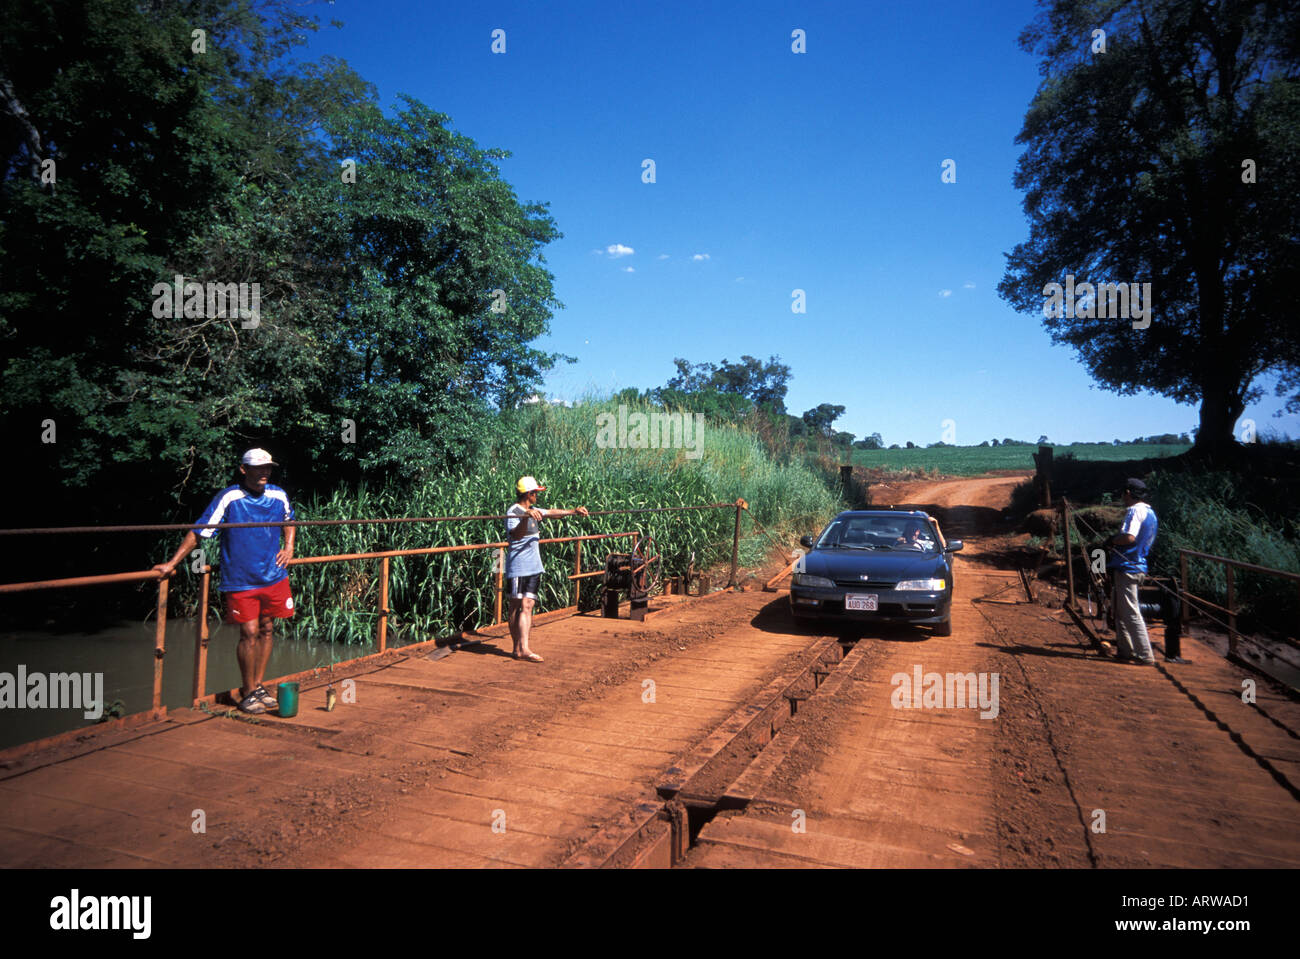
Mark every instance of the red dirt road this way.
pixel 1087 762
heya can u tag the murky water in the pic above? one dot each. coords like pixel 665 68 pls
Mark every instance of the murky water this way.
pixel 125 655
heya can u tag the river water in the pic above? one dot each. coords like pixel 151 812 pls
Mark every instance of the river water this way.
pixel 123 653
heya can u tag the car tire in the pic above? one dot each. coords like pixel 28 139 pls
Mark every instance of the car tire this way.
pixel 944 628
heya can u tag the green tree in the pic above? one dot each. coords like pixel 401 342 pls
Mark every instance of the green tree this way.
pixel 763 384
pixel 717 406
pixel 1136 170
pixel 97 192
pixel 820 418
pixel 423 345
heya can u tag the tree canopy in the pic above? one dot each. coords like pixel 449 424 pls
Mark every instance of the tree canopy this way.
pixel 763 384
pixel 820 418
pixel 400 281
pixel 1167 152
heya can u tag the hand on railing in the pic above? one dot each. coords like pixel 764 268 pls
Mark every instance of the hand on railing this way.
pixel 164 570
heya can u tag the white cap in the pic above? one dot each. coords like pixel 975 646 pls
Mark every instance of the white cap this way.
pixel 258 457
pixel 527 484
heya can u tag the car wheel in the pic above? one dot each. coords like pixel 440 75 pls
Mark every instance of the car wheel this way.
pixel 944 628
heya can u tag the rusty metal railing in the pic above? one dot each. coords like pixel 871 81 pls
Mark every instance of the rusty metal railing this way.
pixel 157 709
pixel 1231 609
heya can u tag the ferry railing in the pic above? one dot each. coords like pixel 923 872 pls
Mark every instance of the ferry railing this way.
pixel 1231 609
pixel 157 709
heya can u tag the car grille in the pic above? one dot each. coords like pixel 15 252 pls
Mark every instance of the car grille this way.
pixel 865 583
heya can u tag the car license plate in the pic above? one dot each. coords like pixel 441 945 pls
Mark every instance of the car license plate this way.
pixel 861 601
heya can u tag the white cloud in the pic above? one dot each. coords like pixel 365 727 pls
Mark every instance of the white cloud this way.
pixel 663 256
pixel 739 279
pixel 700 256
pixel 968 286
pixel 629 269
pixel 618 249
pixel 945 293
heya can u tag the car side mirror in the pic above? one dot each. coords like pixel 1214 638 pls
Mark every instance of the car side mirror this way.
pixel 954 546
pixel 806 541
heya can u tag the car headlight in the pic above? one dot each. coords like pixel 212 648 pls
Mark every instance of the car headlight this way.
pixel 821 582
pixel 928 585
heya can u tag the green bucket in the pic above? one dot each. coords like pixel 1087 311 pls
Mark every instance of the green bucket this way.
pixel 288 698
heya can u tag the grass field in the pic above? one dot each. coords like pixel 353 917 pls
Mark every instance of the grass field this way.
pixel 973 460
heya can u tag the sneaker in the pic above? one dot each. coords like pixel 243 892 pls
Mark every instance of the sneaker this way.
pixel 266 698
pixel 251 704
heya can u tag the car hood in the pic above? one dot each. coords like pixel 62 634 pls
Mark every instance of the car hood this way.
pixel 854 563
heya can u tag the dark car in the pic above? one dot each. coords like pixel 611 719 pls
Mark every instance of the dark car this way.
pixel 883 566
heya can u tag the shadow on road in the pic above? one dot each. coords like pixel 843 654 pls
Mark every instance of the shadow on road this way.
pixel 960 522
pixel 775 617
pixel 1051 650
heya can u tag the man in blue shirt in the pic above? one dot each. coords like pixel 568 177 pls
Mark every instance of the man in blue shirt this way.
pixel 254 577
pixel 523 573
pixel 1128 551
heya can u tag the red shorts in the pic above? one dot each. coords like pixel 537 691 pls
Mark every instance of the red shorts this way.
pixel 250 604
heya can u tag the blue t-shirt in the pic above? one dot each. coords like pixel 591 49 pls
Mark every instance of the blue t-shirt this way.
pixel 248 555
pixel 523 555
pixel 1139 522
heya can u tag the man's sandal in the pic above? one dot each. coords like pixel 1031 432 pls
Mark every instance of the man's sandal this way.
pixel 251 704
pixel 267 699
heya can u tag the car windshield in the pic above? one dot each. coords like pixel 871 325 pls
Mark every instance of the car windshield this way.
pixel 887 532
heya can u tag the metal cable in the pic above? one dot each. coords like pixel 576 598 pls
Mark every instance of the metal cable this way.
pixel 164 527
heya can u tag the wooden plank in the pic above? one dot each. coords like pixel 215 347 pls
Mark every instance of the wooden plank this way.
pixel 748 832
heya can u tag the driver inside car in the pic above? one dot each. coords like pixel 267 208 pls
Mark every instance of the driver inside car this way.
pixel 911 538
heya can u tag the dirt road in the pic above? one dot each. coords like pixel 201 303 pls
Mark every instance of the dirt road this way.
pixel 474 759
pixel 1086 762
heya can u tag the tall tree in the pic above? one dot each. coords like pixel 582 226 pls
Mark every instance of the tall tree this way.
pixel 820 418
pixel 1167 151
pixel 446 287
pixel 763 384
pixel 217 158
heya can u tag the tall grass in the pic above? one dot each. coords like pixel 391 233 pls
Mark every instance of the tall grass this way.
pixel 1208 512
pixel 436 595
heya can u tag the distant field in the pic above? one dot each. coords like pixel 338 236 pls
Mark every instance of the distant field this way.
pixel 972 460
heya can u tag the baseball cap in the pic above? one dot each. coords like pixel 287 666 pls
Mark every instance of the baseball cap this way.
pixel 527 484
pixel 1135 485
pixel 258 457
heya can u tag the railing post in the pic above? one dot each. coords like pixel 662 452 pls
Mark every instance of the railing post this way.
pixel 501 580
pixel 159 644
pixel 577 583
pixel 1232 614
pixel 201 638
pixel 1069 553
pixel 1043 476
pixel 383 604
pixel 735 544
pixel 1186 590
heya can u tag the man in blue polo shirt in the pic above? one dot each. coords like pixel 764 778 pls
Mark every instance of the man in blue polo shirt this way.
pixel 1128 551
pixel 254 577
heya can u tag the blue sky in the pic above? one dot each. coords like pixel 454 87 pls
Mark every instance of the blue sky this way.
pixel 780 171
